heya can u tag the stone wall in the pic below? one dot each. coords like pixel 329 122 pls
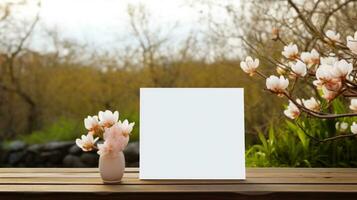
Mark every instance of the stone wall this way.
pixel 57 154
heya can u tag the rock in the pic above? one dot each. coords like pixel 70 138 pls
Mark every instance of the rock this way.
pixel 35 148
pixel 38 160
pixel 72 161
pixel 90 159
pixel 57 146
pixel 15 157
pixel 134 164
pixel 75 150
pixel 30 159
pixel 52 158
pixel 16 146
pixel 3 159
pixel 131 152
pixel 3 155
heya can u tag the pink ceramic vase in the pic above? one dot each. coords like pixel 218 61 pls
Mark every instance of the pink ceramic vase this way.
pixel 111 167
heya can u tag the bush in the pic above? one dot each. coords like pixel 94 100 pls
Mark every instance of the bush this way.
pixel 68 130
pixel 290 146
pixel 61 130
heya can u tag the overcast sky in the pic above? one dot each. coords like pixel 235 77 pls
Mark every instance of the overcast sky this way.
pixel 100 22
pixel 104 23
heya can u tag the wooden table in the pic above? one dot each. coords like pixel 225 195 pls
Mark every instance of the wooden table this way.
pixel 261 183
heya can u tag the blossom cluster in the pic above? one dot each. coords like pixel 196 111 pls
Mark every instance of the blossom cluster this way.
pixel 332 76
pixel 106 126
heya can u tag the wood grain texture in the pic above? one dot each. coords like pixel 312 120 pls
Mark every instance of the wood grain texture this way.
pixel 261 182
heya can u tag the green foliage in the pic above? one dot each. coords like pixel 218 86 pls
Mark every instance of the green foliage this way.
pixel 290 146
pixel 68 130
pixel 61 130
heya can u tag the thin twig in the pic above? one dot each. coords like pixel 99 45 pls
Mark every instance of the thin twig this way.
pixel 329 139
pixel 261 74
pixel 318 114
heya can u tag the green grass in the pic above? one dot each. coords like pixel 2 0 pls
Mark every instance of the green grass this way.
pixel 62 130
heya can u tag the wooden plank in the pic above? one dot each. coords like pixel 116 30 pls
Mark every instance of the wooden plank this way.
pixel 178 196
pixel 61 170
pixel 135 181
pixel 244 188
pixel 259 180
pixel 51 175
pixel 256 174
pixel 136 170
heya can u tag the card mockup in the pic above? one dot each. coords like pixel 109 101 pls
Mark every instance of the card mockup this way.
pixel 192 133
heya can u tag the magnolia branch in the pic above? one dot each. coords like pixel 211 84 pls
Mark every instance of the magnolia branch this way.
pixel 330 70
pixel 326 139
pixel 318 114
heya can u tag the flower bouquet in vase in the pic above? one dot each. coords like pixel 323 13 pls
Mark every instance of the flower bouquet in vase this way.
pixel 114 135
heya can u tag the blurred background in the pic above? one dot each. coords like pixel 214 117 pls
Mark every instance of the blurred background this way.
pixel 61 60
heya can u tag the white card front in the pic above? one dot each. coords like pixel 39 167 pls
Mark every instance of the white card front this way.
pixel 192 133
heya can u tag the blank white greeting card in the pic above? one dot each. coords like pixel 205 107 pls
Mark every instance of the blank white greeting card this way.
pixel 192 133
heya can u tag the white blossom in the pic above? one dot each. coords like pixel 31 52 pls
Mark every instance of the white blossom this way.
pixel 324 73
pixel 292 111
pixel 108 118
pixel 332 35
pixel 312 104
pixel 92 124
pixel 353 105
pixel 276 84
pixel 341 69
pixel 341 126
pixel 249 65
pixel 352 43
pixel 354 128
pixel 291 51
pixel 299 68
pixel 86 143
pixel 328 60
pixel 326 76
pixel 310 58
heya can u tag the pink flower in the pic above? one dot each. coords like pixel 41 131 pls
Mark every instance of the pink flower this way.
pixel 115 133
pixel 86 143
pixel 114 136
pixel 125 127
pixel 328 94
pixel 333 85
pixel 327 77
pixel 108 148
pixel 108 118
